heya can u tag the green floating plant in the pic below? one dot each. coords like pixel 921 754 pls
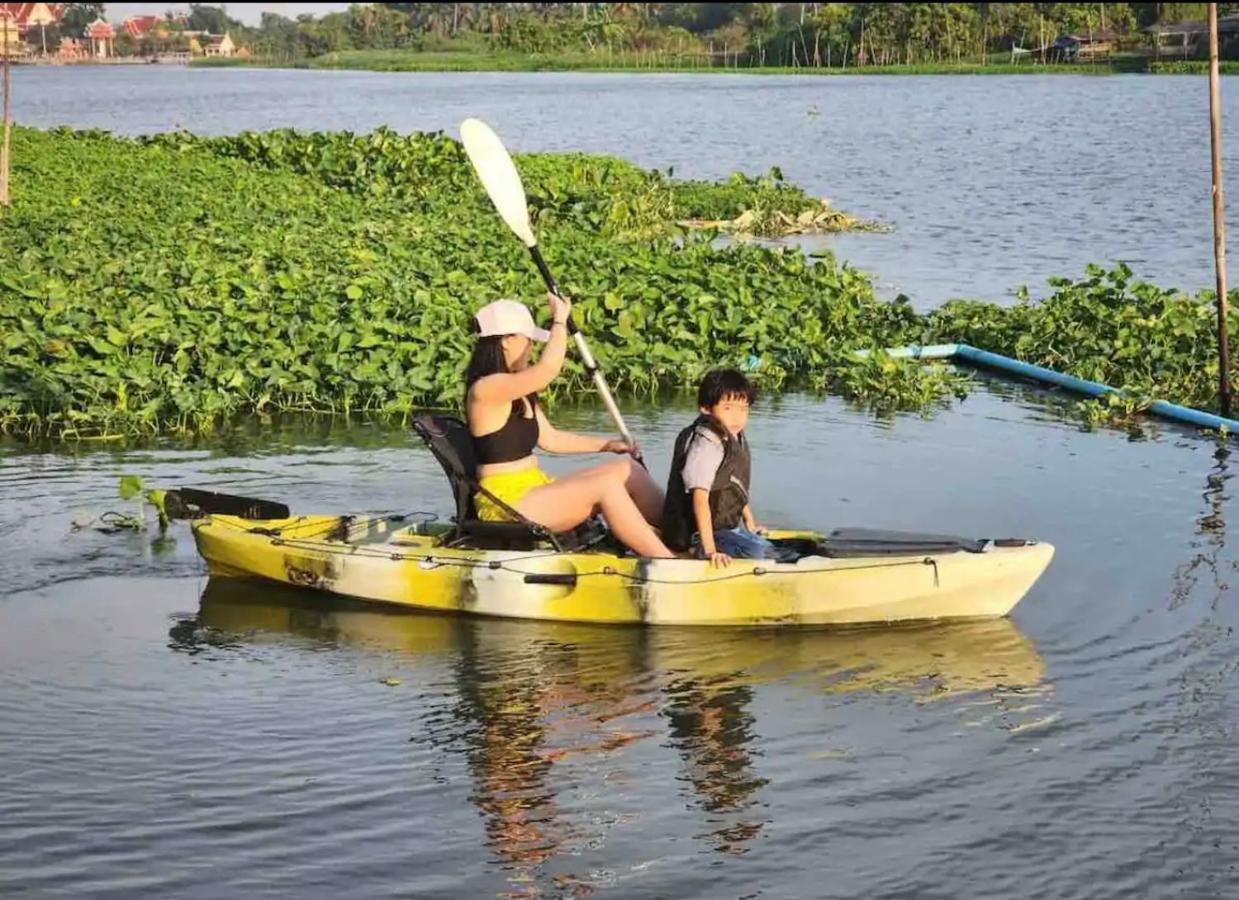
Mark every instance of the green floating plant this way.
pixel 338 273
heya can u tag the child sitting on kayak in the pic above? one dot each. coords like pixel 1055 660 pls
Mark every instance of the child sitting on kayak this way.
pixel 707 507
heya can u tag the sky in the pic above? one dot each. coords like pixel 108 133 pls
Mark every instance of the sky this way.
pixel 249 13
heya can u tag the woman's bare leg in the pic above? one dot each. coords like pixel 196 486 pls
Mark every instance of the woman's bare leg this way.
pixel 645 493
pixel 569 501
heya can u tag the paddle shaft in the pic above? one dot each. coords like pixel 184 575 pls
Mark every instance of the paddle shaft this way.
pixel 587 358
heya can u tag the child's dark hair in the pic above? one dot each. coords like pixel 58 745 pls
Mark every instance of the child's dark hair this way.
pixel 725 384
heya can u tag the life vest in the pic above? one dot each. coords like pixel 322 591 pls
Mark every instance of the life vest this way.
pixel 728 495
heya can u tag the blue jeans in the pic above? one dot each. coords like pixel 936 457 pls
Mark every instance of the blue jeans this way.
pixel 739 543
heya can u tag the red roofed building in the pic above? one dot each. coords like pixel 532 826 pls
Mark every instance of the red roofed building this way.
pixel 137 26
pixel 101 36
pixel 220 45
pixel 30 15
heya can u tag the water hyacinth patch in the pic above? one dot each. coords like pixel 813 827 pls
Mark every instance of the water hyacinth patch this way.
pixel 170 283
pixel 1150 342
pixel 165 283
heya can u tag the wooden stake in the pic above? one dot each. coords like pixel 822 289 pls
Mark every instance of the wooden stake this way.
pixel 4 147
pixel 1219 224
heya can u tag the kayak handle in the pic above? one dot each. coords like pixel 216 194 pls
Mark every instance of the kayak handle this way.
pixel 568 580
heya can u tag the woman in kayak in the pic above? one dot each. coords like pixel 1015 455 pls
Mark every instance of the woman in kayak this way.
pixel 507 422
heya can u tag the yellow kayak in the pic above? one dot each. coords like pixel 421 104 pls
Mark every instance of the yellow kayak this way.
pixel 847 577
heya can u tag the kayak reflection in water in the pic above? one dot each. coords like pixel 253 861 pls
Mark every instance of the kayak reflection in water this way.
pixel 507 422
pixel 554 721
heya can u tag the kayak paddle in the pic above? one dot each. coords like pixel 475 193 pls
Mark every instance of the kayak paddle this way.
pixel 498 175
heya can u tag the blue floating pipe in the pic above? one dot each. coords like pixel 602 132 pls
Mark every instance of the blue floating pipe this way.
pixel 932 351
pixel 1027 370
pixel 986 359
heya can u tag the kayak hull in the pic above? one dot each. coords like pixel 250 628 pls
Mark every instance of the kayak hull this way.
pixel 390 562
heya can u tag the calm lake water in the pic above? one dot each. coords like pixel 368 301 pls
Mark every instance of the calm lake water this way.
pixel 163 734
pixel 169 735
pixel 991 182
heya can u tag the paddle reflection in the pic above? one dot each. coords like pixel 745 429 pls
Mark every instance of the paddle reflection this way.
pixel 542 711
pixel 1210 538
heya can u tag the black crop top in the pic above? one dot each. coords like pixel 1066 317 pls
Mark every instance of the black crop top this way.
pixel 515 440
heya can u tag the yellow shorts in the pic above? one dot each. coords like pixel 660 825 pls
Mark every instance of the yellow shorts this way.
pixel 509 487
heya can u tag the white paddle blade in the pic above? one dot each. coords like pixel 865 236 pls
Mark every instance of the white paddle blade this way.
pixel 499 176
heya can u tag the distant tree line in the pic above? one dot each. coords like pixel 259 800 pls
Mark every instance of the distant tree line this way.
pixel 796 34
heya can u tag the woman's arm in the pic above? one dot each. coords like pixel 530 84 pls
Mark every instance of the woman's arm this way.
pixel 504 387
pixel 552 440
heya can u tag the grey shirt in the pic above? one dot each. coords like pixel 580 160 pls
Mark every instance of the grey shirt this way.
pixel 704 457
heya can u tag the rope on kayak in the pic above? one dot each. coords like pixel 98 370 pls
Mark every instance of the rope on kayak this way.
pixel 345 527
pixel 430 560
pixel 341 528
pixel 756 572
pixel 403 555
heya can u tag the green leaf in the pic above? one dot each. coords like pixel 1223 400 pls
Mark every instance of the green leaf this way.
pixel 158 499
pixel 130 486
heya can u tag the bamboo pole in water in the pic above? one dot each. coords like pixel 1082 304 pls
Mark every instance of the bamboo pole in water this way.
pixel 1219 225
pixel 4 147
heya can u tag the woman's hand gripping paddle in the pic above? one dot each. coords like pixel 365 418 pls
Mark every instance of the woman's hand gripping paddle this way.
pixel 498 175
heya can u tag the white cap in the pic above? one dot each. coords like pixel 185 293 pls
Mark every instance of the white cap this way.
pixel 509 317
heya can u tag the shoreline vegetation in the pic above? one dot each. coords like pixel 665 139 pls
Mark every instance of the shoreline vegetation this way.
pixel 765 38
pixel 337 273
pixel 476 61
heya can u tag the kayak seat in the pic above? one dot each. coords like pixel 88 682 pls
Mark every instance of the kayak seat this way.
pixel 449 440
